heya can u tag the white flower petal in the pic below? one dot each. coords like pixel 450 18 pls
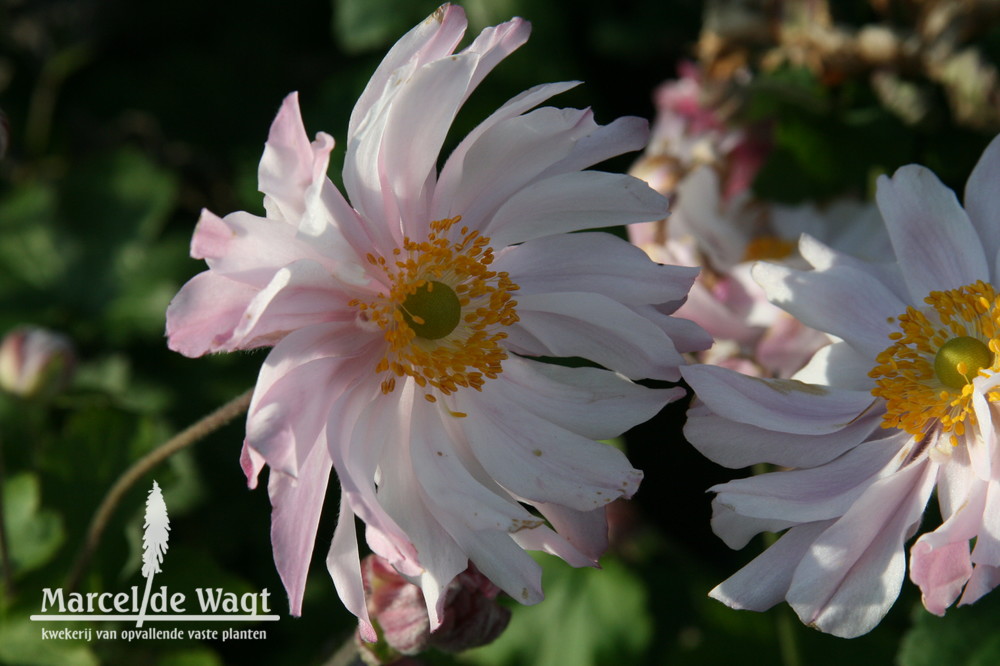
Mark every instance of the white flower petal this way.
pixel 344 564
pixel 782 405
pixel 736 530
pixel 982 202
pixel 435 37
pixel 591 402
pixel 935 243
pixel 827 301
pixel 939 560
pixel 765 581
pixel 737 445
pixel 509 156
pixel 538 460
pixel 202 316
pixel 851 574
pixel 594 327
pixel 809 495
pixel 296 507
pixel 573 202
pixel 597 262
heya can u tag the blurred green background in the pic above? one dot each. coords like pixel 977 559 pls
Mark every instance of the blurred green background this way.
pixel 127 118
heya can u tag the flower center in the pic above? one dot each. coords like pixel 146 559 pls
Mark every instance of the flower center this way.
pixel 432 311
pixel 960 359
pixel 926 374
pixel 444 311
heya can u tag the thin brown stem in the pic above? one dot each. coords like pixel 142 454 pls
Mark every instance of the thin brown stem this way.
pixel 187 437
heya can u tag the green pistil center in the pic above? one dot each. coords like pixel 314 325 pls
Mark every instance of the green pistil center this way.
pixel 959 360
pixel 432 311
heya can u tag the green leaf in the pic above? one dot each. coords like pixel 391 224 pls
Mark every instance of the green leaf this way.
pixel 21 643
pixel 965 636
pixel 601 616
pixel 30 251
pixel 34 534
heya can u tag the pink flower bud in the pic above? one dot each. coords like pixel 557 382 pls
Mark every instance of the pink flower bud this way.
pixel 471 615
pixel 35 362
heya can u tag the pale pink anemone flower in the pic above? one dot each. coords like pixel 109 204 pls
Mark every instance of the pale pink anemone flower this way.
pixel 903 404
pixel 692 129
pixel 726 236
pixel 406 323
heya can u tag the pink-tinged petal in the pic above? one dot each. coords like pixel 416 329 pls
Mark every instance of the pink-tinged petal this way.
pixel 686 335
pixel 251 249
pixel 723 318
pixel 622 135
pixel 788 345
pixel 450 179
pixel 984 580
pixel 736 530
pixel 591 402
pixel 288 165
pixel 344 565
pixel 594 327
pixel 939 560
pixel 546 540
pixel 285 422
pixel 808 495
pixel 716 437
pixel 251 463
pixel 935 243
pixel 362 430
pixel 301 294
pixel 598 262
pixel 202 316
pixel 585 532
pixel 765 581
pixel 982 201
pixel 782 405
pixel 507 157
pixel 573 202
pixel 852 573
pixel 402 497
pixel 298 383
pixel 827 301
pixel 478 519
pixel 435 37
pixel 494 44
pixel 211 237
pixel 699 205
pixel 536 459
pixel 405 160
pixel 296 507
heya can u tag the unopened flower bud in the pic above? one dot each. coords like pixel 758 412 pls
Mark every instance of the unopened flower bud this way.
pixel 35 362
pixel 471 615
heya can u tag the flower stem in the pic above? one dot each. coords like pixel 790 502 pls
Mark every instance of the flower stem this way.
pixel 185 438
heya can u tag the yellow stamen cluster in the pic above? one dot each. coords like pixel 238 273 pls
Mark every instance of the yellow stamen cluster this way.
pixel 926 374
pixel 467 354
